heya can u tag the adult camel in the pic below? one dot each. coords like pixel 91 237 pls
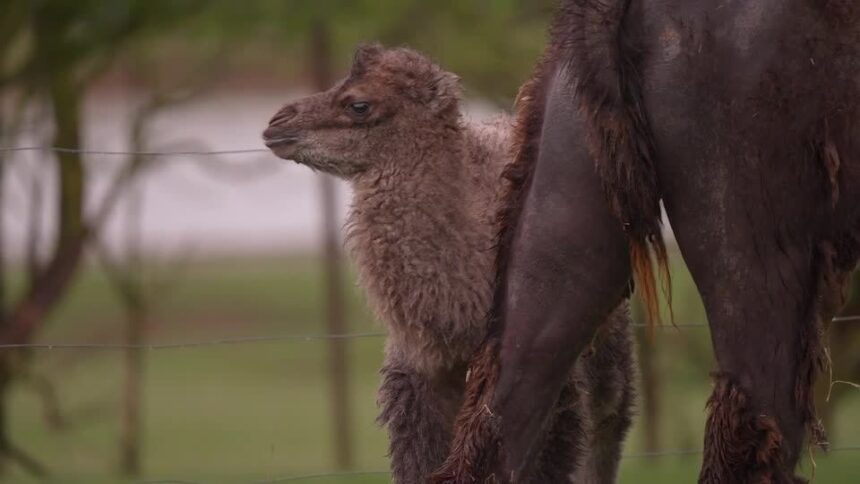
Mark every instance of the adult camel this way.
pixel 743 118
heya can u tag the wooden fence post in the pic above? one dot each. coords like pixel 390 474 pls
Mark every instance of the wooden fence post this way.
pixel 320 59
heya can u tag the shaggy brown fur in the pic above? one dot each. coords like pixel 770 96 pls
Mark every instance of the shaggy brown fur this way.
pixel 422 234
pixel 475 447
pixel 741 446
pixel 619 137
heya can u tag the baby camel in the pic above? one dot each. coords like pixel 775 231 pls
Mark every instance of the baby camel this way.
pixel 422 233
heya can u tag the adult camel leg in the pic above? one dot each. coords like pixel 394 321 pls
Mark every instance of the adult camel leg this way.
pixel 418 412
pixel 753 158
pixel 765 250
pixel 591 417
pixel 761 281
pixel 569 268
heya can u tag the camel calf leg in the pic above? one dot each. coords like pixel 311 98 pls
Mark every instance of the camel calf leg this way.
pixel 418 412
pixel 609 371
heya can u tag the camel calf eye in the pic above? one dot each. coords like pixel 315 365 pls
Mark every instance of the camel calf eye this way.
pixel 360 108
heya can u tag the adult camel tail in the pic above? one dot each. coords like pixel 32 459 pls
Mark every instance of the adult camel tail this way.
pixel 588 38
pixel 606 60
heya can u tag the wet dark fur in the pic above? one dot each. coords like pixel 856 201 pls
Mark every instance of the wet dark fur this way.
pixel 473 451
pixel 620 140
pixel 742 444
pixel 475 447
pixel 620 137
pixel 584 432
pixel 476 444
pixel 741 441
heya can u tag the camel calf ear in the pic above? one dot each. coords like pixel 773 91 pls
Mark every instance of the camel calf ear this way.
pixel 365 56
pixel 444 92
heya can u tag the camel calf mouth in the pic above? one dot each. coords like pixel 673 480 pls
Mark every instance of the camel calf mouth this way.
pixel 279 142
pixel 276 138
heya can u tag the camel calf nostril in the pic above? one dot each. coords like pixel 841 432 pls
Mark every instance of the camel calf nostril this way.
pixel 285 114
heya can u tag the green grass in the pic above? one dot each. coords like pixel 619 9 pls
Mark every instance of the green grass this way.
pixel 240 413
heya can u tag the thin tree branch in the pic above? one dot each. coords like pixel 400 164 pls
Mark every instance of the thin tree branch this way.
pixel 24 460
pixel 34 229
pixel 47 392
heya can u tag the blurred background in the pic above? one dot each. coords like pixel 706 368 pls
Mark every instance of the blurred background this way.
pixel 167 285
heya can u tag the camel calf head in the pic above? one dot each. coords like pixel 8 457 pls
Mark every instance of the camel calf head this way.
pixel 368 121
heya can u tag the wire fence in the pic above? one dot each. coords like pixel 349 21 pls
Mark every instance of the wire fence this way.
pixel 56 149
pixel 381 473
pixel 187 345
pixel 350 336
pixel 285 337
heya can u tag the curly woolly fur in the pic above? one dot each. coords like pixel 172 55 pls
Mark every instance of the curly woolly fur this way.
pixel 421 232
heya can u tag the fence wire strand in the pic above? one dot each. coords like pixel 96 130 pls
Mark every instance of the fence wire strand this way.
pixel 277 338
pixel 56 149
pixel 380 473
pixel 194 344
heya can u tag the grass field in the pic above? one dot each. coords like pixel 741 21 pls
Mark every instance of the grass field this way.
pixel 259 412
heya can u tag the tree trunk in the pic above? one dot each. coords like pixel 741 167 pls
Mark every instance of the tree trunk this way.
pixel 65 103
pixel 320 58
pixel 47 288
pixel 136 313
pixel 50 285
pixel 131 431
pixel 2 232
pixel 34 231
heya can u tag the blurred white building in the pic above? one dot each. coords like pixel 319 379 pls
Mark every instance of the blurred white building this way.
pixel 226 205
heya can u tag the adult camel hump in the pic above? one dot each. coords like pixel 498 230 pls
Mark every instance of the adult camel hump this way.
pixel 743 117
